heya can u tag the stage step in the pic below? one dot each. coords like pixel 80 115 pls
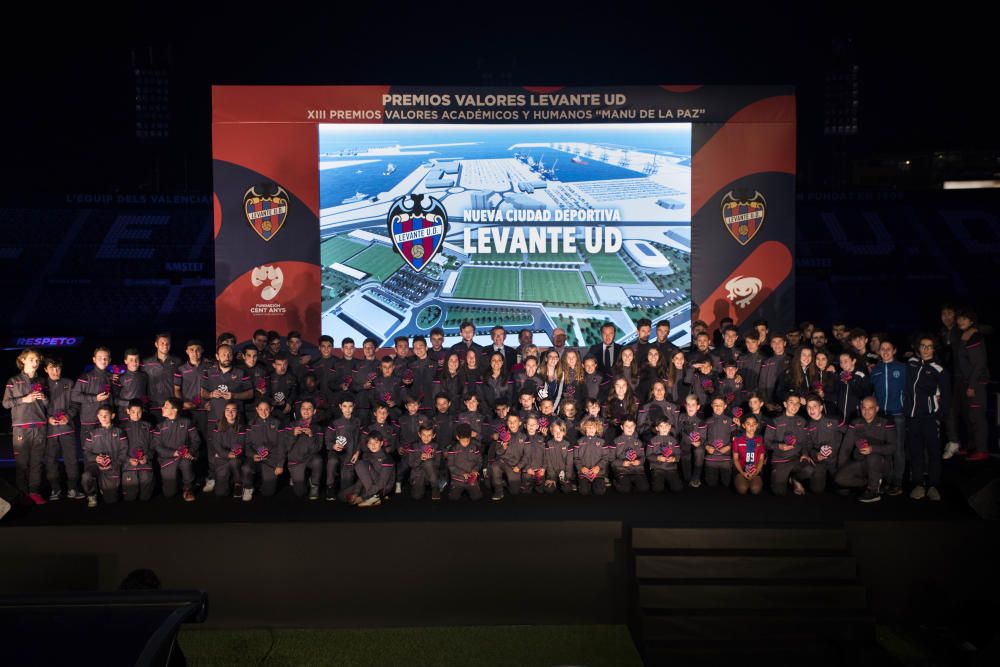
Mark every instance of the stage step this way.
pixel 753 652
pixel 718 595
pixel 782 626
pixel 746 567
pixel 740 539
pixel 741 596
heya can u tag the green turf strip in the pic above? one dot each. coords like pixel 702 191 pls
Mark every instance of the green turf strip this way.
pixel 483 646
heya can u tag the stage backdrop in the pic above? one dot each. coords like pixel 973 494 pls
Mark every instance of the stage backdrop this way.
pixel 382 211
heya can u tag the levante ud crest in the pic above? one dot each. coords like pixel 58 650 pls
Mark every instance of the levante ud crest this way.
pixel 417 226
pixel 266 209
pixel 743 217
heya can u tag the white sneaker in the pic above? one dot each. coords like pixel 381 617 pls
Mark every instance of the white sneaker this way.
pixel 209 486
pixel 92 501
pixel 370 502
pixel 950 450
pixel 247 495
pixel 399 488
pixel 918 492
pixel 933 494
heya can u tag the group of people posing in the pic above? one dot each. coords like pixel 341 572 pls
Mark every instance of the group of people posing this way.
pixel 790 411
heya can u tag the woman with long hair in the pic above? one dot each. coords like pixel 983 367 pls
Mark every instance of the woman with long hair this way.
pixel 627 366
pixel 621 404
pixel 496 384
pixel 552 378
pixel 800 377
pixel 651 369
pixel 226 443
pixel 449 380
pixel 573 388
pixel 471 373
pixel 678 379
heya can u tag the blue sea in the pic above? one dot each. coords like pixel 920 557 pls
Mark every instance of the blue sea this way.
pixel 488 142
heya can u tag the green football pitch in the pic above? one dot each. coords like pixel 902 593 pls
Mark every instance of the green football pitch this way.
pixel 337 249
pixel 477 283
pixel 553 287
pixel 378 260
pixel 611 269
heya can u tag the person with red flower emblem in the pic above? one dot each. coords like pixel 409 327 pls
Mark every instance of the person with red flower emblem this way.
pixel 137 473
pixel 131 385
pixel 258 378
pixel 629 462
pixel 691 433
pixel 719 431
pixel 664 454
pixel 176 443
pixel 824 436
pixel 187 387
pixel 424 459
pixel 533 472
pixel 555 459
pixel 465 459
pixel 160 369
pixel 264 457
pixel 866 454
pixel 506 458
pixel 591 460
pixel 61 437
pixel 26 398
pixel 226 447
pixel 785 439
pixel 342 442
pixel 92 390
pixel 105 456
pixel 851 386
pixel 304 452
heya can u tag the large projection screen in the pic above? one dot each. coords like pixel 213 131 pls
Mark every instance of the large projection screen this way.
pixel 375 212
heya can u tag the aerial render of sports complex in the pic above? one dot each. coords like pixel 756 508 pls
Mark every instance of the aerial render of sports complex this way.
pixel 513 195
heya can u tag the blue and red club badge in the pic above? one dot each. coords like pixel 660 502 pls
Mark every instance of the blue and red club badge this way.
pixel 417 226
pixel 743 216
pixel 266 209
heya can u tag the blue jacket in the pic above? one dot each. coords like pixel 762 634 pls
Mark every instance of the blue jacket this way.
pixel 889 383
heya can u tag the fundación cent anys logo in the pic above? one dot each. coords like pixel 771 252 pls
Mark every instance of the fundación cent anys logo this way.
pixel 417 226
pixel 743 216
pixel 271 277
pixel 266 209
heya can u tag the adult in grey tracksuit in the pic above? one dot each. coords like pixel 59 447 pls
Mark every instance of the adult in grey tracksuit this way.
pixel 866 454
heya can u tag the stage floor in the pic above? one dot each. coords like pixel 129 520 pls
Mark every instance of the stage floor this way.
pixel 703 506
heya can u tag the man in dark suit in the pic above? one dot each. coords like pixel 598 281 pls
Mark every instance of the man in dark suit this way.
pixel 606 352
pixel 468 330
pixel 499 335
